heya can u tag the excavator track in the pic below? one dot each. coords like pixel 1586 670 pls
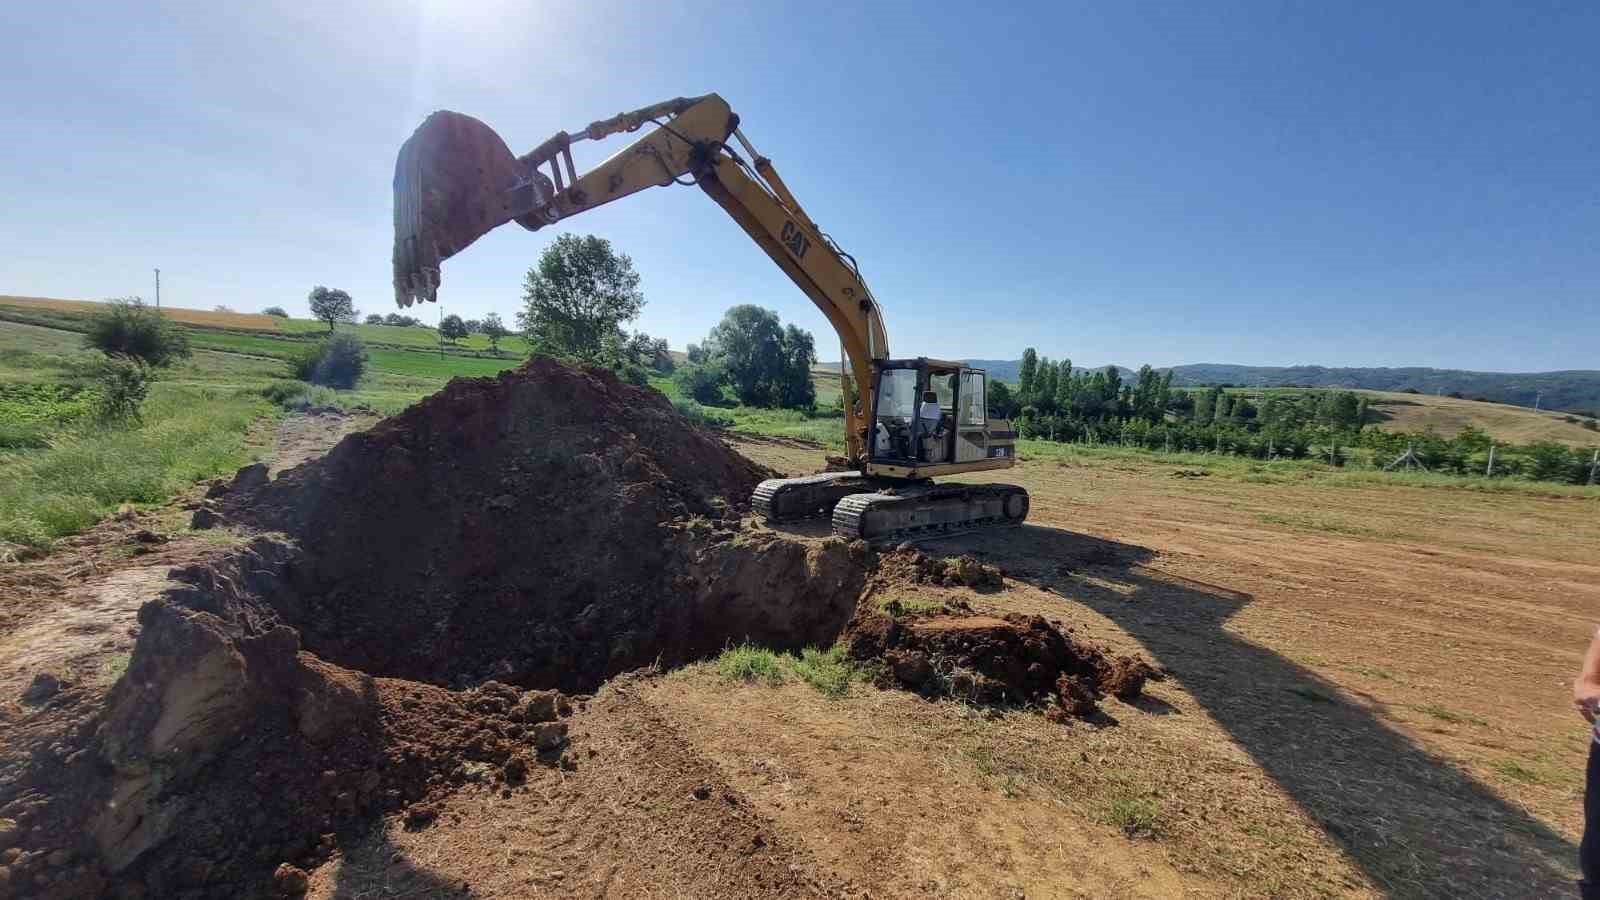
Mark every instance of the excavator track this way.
pixel 925 511
pixel 788 499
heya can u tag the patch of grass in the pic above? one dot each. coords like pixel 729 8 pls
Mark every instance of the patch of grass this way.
pixel 1373 672
pixel 896 605
pixel 704 416
pixel 1518 772
pixel 187 435
pixel 819 428
pixel 1134 815
pixel 116 665
pixel 982 759
pixel 829 671
pixel 1447 715
pixel 750 663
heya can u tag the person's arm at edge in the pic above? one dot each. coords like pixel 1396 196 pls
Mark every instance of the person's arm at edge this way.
pixel 1586 688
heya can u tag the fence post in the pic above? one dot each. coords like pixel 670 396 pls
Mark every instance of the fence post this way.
pixel 1488 471
pixel 1594 463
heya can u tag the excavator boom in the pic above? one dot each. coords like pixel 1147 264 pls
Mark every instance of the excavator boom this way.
pixel 456 180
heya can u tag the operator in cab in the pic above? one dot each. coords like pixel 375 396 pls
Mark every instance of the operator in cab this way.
pixel 929 413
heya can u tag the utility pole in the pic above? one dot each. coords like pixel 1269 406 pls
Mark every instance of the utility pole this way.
pixel 158 289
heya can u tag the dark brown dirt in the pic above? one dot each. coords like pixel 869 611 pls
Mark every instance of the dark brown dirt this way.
pixel 1011 661
pixel 908 565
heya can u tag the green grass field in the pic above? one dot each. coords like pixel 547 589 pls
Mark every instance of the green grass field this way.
pixel 61 471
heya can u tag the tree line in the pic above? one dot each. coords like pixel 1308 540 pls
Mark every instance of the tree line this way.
pixel 1055 401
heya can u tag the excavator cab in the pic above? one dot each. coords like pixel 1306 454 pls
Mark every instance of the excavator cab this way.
pixel 909 440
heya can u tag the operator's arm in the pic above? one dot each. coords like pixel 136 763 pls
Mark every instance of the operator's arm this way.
pixel 1586 688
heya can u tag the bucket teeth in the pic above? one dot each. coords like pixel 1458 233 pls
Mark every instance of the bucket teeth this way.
pixel 450 188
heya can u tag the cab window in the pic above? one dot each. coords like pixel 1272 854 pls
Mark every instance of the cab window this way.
pixel 973 402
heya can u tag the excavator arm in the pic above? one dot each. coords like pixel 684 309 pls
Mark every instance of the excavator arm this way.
pixel 455 181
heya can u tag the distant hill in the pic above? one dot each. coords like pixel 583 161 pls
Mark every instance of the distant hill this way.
pixel 1576 389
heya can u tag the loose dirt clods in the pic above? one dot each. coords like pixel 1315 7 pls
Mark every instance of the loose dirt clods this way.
pixel 1015 660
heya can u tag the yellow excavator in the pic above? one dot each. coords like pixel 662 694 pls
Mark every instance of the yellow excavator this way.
pixel 907 420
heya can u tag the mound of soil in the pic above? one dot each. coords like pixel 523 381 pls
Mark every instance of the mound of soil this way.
pixel 547 527
pixel 1015 660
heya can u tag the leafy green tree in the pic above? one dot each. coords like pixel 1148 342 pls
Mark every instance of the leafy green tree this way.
pixel 651 353
pixel 1026 393
pixel 1064 387
pixel 1550 461
pixel 128 330
pixel 494 330
pixel 703 383
pixel 1002 404
pixel 276 312
pixel 336 361
pixel 1243 411
pixel 1224 410
pixel 474 326
pixel 1147 400
pixel 1205 406
pixel 695 353
pixel 577 298
pixel 766 364
pixel 795 389
pixel 373 319
pixel 451 328
pixel 1111 394
pixel 331 305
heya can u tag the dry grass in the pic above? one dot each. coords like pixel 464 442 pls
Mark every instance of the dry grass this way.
pixel 1448 415
pixel 230 320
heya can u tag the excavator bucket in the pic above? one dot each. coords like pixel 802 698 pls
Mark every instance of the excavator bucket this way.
pixel 453 184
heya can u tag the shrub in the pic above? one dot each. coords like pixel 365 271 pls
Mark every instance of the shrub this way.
pixel 337 361
pixel 276 312
pixel 699 415
pixel 373 319
pixel 123 385
pixel 702 383
pixel 298 395
pixel 129 330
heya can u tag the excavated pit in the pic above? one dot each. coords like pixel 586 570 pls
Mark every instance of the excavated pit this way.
pixel 418 597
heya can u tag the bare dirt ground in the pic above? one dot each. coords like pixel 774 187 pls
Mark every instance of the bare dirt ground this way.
pixel 1367 696
pixel 1370 691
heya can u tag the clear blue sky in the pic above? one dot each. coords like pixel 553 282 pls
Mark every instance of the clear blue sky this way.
pixel 1263 183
